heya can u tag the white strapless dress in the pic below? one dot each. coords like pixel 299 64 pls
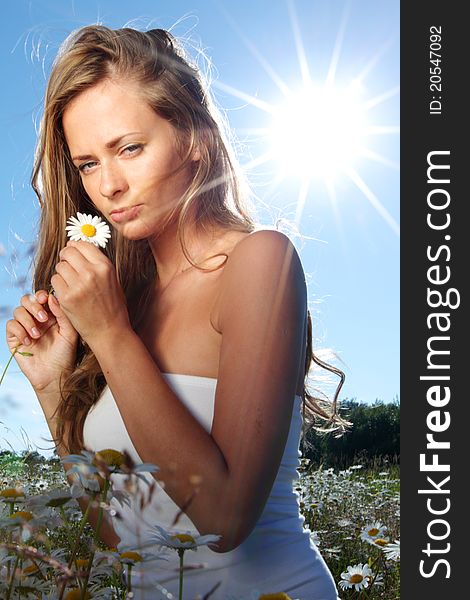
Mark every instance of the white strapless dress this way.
pixel 278 556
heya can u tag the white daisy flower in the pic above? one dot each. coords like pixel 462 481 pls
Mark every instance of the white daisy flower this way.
pixel 381 542
pixel 392 551
pixel 181 541
pixel 88 228
pixel 372 531
pixel 359 577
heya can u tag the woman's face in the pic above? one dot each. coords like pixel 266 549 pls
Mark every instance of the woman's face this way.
pixel 125 153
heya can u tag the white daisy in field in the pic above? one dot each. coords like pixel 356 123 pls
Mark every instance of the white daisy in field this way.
pixel 334 552
pixel 181 541
pixel 376 579
pixel 392 551
pixel 357 576
pixel 88 228
pixel 381 542
pixel 372 531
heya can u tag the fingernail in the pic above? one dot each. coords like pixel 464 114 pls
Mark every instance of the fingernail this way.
pixel 42 297
pixel 26 341
pixel 42 316
pixel 35 331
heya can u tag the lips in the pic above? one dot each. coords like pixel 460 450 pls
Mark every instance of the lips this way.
pixel 119 215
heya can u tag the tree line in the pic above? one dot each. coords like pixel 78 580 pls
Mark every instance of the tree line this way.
pixel 373 438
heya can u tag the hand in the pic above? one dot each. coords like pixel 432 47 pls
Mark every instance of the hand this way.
pixel 40 327
pixel 88 290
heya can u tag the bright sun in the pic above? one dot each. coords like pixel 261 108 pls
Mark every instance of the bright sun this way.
pixel 319 132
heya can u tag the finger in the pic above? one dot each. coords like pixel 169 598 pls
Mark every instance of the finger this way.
pixel 17 334
pixel 27 321
pixel 58 312
pixel 41 296
pixel 75 258
pixel 67 272
pixel 65 326
pixel 31 303
pixel 59 285
pixel 89 251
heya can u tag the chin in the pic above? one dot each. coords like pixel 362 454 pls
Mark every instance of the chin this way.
pixel 133 232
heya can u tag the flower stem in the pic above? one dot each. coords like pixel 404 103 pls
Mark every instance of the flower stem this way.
pixel 75 546
pixel 95 539
pixel 129 579
pixel 181 555
pixel 8 363
pixel 79 533
pixel 99 520
pixel 12 580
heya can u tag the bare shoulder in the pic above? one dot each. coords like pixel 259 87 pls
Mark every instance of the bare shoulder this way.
pixel 265 249
pixel 265 253
pixel 260 262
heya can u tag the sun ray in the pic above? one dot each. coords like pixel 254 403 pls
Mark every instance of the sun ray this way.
pixel 330 78
pixel 302 198
pixel 261 104
pixel 382 97
pixel 256 162
pixel 276 79
pixel 374 201
pixel 330 188
pixel 379 158
pixel 374 60
pixel 303 63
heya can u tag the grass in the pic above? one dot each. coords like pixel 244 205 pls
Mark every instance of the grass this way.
pixel 337 507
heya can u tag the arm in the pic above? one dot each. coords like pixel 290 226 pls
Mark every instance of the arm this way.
pixel 262 316
pixel 53 354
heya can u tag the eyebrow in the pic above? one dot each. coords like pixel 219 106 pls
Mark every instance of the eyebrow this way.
pixel 111 144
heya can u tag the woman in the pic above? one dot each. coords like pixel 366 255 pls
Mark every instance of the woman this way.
pixel 186 342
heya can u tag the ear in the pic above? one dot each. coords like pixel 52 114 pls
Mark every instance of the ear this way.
pixel 196 156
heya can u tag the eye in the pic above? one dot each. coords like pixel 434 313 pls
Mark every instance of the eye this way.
pixel 133 148
pixel 85 167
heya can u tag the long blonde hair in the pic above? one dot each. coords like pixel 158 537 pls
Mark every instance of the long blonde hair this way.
pixel 173 87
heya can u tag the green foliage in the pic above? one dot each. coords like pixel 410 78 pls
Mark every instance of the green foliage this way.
pixel 11 465
pixel 374 437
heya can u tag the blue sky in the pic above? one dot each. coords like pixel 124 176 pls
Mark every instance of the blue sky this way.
pixel 259 50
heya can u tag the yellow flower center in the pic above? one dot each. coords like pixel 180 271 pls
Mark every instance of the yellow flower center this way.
pixel 373 531
pixel 82 563
pixel 23 514
pixel 356 578
pixel 88 230
pixel 380 542
pixel 135 556
pixel 30 569
pixel 76 594
pixel 183 537
pixel 278 596
pixel 11 493
pixel 112 458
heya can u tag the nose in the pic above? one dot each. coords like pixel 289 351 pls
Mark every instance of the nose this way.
pixel 112 182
